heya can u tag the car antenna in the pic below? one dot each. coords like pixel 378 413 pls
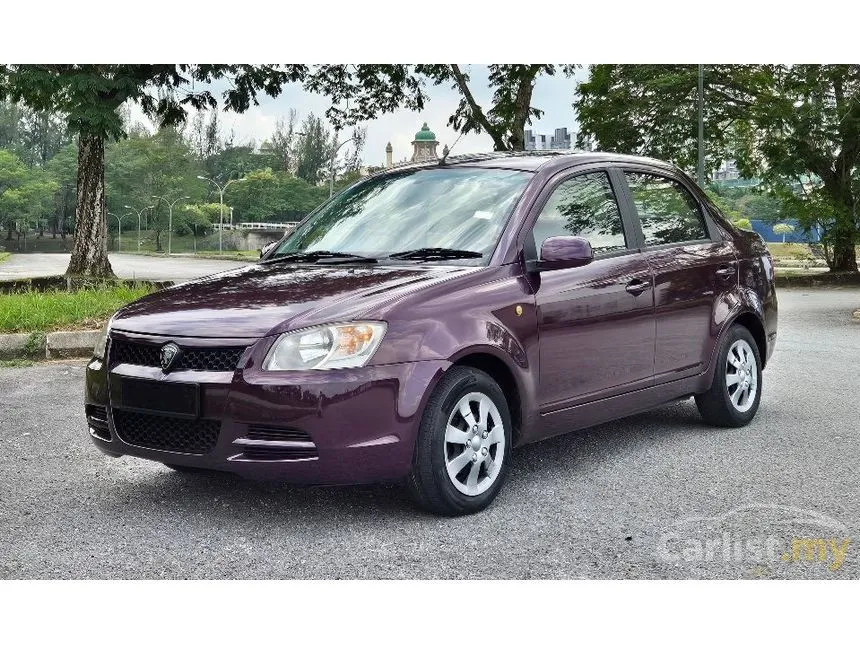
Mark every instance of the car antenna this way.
pixel 448 150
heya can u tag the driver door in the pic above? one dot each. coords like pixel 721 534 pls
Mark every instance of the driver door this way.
pixel 596 323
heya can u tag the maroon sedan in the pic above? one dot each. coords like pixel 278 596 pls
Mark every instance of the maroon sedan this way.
pixel 432 317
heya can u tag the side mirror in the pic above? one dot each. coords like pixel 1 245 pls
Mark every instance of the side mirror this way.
pixel 267 248
pixel 564 252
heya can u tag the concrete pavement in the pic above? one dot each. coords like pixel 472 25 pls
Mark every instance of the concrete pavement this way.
pixel 125 265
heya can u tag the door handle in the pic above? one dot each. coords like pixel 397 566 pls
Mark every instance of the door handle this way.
pixel 637 286
pixel 726 271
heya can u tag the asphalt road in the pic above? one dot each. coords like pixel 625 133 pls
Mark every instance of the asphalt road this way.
pixel 130 266
pixel 658 495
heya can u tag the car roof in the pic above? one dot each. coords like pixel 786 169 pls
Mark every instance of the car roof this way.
pixel 530 161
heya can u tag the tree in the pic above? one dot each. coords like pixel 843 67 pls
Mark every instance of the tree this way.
pixel 783 229
pixel 63 169
pixel 283 142
pixel 511 109
pixel 368 90
pixel 314 150
pixel 780 122
pixel 25 194
pixel 90 96
pixel 266 196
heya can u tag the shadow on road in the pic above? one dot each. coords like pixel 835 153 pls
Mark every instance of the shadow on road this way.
pixel 225 498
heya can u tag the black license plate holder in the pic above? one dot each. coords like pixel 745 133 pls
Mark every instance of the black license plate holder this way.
pixel 161 397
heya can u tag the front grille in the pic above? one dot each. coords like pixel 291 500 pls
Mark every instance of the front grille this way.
pixel 275 433
pixel 191 436
pixel 221 359
pixel 272 443
pixel 97 421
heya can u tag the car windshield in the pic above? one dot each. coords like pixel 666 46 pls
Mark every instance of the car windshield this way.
pixel 450 214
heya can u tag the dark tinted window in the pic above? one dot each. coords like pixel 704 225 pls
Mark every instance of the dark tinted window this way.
pixel 584 206
pixel 667 210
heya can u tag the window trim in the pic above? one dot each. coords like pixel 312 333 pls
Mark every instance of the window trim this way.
pixel 710 228
pixel 529 248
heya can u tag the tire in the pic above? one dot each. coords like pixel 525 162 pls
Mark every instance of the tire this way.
pixel 479 461
pixel 723 405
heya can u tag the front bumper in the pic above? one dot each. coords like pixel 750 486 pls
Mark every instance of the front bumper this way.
pixel 362 422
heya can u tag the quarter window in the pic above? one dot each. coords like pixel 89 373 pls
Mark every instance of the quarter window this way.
pixel 668 212
pixel 584 206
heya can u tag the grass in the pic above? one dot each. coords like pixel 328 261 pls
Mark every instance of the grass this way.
pixel 4 255
pixel 33 311
pixel 789 251
pixel 17 362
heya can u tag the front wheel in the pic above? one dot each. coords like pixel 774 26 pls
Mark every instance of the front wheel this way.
pixel 462 453
pixel 735 392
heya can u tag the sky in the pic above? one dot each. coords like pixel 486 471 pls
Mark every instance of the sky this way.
pixel 553 94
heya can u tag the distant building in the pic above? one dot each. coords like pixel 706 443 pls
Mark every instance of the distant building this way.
pixel 423 147
pixel 728 171
pixel 561 139
pixel 535 141
pixel 425 144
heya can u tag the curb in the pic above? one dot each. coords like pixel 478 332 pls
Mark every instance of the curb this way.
pixel 39 345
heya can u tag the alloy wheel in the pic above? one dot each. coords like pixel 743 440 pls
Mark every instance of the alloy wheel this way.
pixel 474 444
pixel 741 375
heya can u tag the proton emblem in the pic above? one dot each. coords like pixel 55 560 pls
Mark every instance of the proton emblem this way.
pixel 168 355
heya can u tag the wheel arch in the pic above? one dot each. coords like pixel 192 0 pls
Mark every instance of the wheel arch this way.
pixel 489 362
pixel 755 327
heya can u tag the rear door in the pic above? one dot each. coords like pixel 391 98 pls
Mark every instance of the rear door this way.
pixel 693 269
pixel 595 322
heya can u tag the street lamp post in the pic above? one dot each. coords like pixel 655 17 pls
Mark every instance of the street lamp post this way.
pixel 331 167
pixel 221 190
pixel 138 213
pixel 170 206
pixel 119 237
pixel 700 167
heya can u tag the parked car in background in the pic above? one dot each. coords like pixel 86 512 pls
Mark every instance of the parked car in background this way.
pixel 430 318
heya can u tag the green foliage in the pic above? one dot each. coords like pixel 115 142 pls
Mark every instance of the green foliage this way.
pixel 743 223
pixel 314 151
pixel 26 194
pixel 273 196
pixel 779 122
pixel 783 229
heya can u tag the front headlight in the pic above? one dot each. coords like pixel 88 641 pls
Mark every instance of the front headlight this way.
pixel 101 341
pixel 325 347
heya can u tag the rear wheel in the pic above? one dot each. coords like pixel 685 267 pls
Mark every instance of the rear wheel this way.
pixel 462 453
pixel 735 392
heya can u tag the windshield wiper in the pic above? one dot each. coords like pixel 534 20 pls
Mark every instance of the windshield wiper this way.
pixel 435 253
pixel 322 257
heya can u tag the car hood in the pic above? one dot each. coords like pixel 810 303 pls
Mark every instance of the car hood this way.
pixel 263 299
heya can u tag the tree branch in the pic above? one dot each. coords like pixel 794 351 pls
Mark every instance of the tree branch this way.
pixel 477 113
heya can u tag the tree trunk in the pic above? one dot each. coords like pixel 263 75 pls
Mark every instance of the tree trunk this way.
pixel 844 257
pixel 89 253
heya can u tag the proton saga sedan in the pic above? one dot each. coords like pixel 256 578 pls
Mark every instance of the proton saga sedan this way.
pixel 430 318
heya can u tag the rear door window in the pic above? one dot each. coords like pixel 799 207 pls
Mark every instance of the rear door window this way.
pixel 668 212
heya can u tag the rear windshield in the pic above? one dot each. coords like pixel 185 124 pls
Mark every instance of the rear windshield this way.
pixel 454 208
